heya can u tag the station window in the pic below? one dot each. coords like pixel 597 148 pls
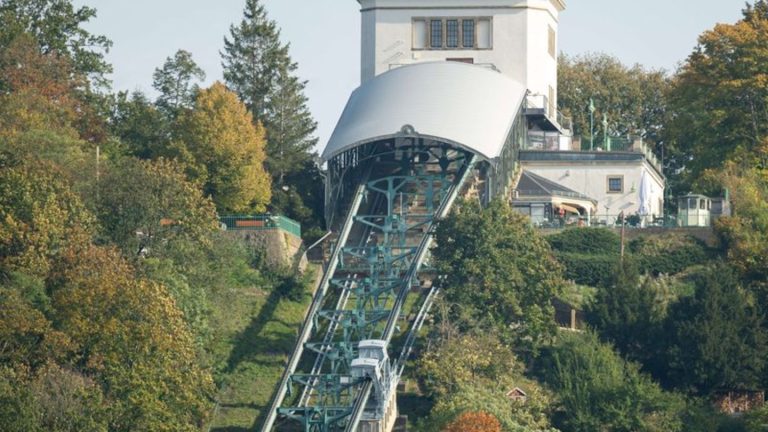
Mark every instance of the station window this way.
pixel 436 34
pixel 552 45
pixel 451 33
pixel 615 184
pixel 468 33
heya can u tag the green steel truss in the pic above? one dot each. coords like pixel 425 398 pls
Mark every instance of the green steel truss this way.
pixel 374 268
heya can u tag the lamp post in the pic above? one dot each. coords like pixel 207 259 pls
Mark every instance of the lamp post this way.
pixel 606 140
pixel 591 124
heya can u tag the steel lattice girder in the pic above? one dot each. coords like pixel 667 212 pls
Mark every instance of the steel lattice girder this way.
pixel 339 353
pixel 319 419
pixel 384 264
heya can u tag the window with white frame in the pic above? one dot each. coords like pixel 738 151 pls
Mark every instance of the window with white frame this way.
pixel 451 33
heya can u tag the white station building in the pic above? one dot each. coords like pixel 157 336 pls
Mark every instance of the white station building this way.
pixel 481 75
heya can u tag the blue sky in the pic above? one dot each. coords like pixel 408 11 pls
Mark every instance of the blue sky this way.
pixel 325 37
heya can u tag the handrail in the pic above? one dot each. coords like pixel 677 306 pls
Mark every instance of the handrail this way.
pixel 316 303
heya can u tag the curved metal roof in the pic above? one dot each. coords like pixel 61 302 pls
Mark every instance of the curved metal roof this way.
pixel 466 105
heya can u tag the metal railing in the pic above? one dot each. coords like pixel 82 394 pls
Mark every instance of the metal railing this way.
pixel 606 220
pixel 260 223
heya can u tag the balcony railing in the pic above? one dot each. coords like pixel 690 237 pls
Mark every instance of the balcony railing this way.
pixel 260 223
pixel 553 141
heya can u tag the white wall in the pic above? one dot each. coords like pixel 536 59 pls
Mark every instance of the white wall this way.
pixel 591 179
pixel 519 37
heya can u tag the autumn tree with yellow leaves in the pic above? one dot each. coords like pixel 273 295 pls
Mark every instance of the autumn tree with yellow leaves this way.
pixel 225 151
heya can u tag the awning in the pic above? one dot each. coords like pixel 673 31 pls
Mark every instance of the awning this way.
pixel 569 209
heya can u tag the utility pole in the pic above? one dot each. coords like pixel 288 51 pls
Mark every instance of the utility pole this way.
pixel 98 173
pixel 623 225
pixel 591 124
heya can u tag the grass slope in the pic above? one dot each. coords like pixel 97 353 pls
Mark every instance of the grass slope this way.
pixel 255 333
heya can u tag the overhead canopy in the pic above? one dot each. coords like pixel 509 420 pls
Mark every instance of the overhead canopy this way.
pixel 466 105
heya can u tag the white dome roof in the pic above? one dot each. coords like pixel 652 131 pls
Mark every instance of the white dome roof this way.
pixel 466 105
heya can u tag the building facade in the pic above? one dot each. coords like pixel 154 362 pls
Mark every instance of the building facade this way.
pixel 517 38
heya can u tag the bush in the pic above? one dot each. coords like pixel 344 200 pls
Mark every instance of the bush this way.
pixel 592 270
pixel 668 254
pixel 593 241
pixel 597 388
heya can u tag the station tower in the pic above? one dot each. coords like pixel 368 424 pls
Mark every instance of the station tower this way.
pixel 517 38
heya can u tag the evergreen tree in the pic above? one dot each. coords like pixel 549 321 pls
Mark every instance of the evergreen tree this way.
pixel 625 314
pixel 289 124
pixel 719 342
pixel 175 82
pixel 258 67
pixel 250 58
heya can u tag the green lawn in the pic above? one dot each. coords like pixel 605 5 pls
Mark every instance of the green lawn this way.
pixel 255 332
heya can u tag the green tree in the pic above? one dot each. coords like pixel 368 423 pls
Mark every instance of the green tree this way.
pixel 145 206
pixel 140 126
pixel 719 99
pixel 226 151
pixel 626 314
pixel 132 339
pixel 718 341
pixel 176 82
pixel 499 271
pixel 258 67
pixel 744 235
pixel 474 371
pixel 39 214
pixel 599 391
pixel 633 98
pixel 58 28
pixel 250 58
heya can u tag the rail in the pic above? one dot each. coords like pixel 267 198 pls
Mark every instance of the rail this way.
pixel 362 398
pixel 317 301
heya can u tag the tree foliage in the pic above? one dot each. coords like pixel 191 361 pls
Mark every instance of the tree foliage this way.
pixel 632 98
pixel 474 371
pixel 499 271
pixel 719 99
pixel 141 350
pixel 58 28
pixel 626 314
pixel 258 67
pixel 226 151
pixel 744 236
pixel 145 206
pixel 599 391
pixel 175 82
pixel 474 421
pixel 718 338
pixel 39 215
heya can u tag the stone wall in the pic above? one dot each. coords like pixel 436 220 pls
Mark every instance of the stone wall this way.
pixel 282 248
